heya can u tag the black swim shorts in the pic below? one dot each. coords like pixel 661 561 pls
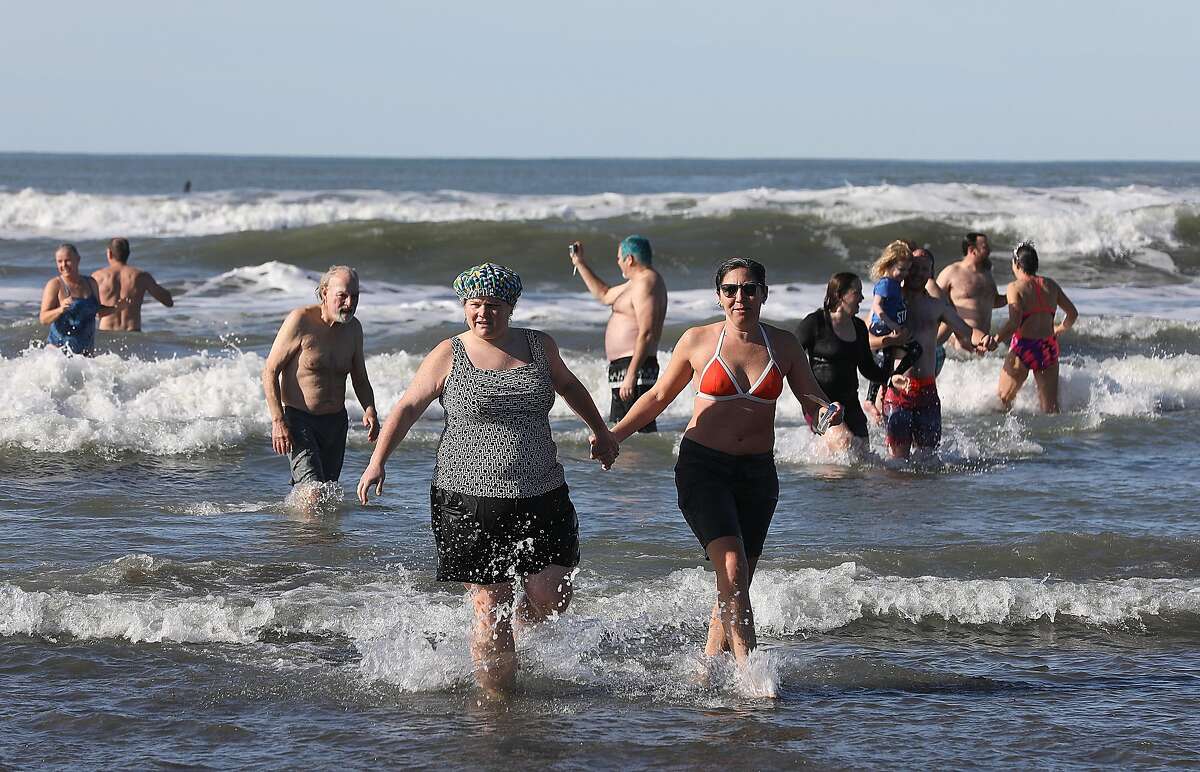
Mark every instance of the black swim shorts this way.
pixel 318 444
pixel 486 540
pixel 725 495
pixel 647 374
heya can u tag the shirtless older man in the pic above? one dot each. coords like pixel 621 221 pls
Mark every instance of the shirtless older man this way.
pixel 912 409
pixel 305 380
pixel 124 288
pixel 970 286
pixel 639 306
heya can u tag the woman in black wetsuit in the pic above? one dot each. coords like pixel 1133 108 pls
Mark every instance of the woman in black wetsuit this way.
pixel 836 342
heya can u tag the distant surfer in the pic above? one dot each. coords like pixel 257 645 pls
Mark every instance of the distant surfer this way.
pixel 639 306
pixel 124 288
pixel 187 186
pixel 305 381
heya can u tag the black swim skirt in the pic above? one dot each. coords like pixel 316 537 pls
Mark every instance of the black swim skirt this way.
pixel 725 495
pixel 486 540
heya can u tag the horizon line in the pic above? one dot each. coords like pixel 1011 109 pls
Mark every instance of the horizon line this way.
pixel 518 158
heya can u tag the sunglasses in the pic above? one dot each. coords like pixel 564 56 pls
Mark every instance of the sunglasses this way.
pixel 749 289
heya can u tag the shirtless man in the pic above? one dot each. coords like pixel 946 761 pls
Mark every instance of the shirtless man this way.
pixel 639 306
pixel 970 286
pixel 911 408
pixel 305 380
pixel 124 287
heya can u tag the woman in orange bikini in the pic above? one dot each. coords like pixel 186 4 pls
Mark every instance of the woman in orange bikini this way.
pixel 726 477
pixel 1032 303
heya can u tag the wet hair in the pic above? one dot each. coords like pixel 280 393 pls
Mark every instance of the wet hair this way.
pixel 753 266
pixel 69 249
pixel 839 284
pixel 969 241
pixel 119 248
pixel 328 275
pixel 892 254
pixel 637 247
pixel 1026 257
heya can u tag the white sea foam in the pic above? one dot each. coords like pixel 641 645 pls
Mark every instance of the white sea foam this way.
pixel 181 405
pixel 418 641
pixel 1068 221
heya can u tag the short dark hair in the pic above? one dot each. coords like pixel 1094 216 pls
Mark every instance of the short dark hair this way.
pixel 753 266
pixel 970 240
pixel 839 284
pixel 1027 258
pixel 119 248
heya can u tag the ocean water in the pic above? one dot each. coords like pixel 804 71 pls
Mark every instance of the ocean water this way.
pixel 1030 598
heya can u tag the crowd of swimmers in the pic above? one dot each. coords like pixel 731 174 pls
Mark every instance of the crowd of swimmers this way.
pixel 501 512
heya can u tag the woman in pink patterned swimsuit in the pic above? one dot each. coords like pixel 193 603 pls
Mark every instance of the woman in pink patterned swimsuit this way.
pixel 1032 303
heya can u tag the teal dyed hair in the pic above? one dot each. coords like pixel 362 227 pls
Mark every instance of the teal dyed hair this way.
pixel 639 248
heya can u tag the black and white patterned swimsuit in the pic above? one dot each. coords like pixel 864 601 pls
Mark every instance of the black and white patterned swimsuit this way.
pixel 497 439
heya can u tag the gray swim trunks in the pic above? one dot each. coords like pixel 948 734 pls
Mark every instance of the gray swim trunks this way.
pixel 318 444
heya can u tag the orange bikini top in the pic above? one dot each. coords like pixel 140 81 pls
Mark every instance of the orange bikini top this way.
pixel 718 384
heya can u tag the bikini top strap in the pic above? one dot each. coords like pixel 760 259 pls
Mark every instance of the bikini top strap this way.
pixel 767 342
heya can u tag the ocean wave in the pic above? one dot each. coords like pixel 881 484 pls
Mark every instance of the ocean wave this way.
pixel 1134 221
pixel 204 402
pixel 418 640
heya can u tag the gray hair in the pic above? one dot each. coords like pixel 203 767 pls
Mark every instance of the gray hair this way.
pixel 333 269
pixel 69 249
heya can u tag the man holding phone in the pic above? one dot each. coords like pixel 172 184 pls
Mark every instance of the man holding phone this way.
pixel 639 306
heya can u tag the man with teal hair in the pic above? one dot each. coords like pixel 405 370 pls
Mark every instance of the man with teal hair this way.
pixel 639 306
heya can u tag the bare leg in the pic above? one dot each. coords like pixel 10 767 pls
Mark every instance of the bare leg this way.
pixel 547 594
pixel 492 646
pixel 733 611
pixel 1012 378
pixel 1047 387
pixel 717 641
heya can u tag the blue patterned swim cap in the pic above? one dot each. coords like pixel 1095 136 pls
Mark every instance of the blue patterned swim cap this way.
pixel 488 281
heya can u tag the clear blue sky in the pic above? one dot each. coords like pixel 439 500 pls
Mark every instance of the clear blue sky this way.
pixel 923 79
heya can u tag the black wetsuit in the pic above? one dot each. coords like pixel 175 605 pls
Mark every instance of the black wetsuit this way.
pixel 837 362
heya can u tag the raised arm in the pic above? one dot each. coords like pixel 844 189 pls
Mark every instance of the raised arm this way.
pixel 157 291
pixel 675 379
pixel 425 387
pixel 283 350
pixel 599 289
pixel 362 385
pixel 1068 308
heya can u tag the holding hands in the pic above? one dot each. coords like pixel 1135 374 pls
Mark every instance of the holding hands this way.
pixel 605 448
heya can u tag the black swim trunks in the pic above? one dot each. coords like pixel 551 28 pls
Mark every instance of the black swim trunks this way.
pixel 318 444
pixel 647 374
pixel 725 495
pixel 486 540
